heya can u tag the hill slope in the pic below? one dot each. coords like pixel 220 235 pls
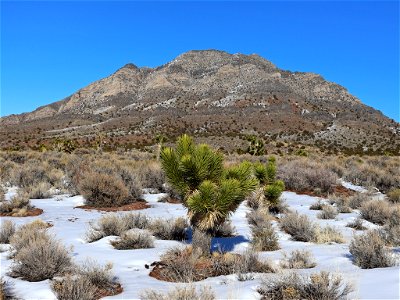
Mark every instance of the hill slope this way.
pixel 212 94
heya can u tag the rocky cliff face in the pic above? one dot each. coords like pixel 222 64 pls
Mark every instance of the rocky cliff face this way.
pixel 210 93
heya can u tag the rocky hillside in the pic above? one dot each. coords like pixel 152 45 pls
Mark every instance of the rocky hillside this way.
pixel 217 96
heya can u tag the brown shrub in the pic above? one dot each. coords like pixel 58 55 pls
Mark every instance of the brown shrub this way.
pixel 17 205
pixel 369 251
pixel 104 190
pixel 328 212
pixel 376 211
pixel 299 259
pixel 357 224
pixel 181 293
pixel 134 239
pixel 74 288
pixel 41 258
pixel 299 227
pixel 394 195
pixel 6 231
pixel 321 286
pixel 169 229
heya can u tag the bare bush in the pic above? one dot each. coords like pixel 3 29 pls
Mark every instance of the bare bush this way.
pixel 134 239
pixel 375 211
pixel 357 200
pixel 181 293
pixel 328 212
pixel 357 224
pixel 298 226
pixel 264 237
pixel 391 231
pixel 328 234
pixel 27 234
pixel 394 195
pixel 342 203
pixel 317 205
pixel 132 182
pixel 223 230
pixel 369 251
pixel 39 191
pixel 74 288
pixel 101 277
pixel 18 205
pixel 2 193
pixel 103 190
pixel 303 175
pixel 169 229
pixel 321 286
pixel 152 176
pixel 41 258
pixel 6 231
pixel 299 259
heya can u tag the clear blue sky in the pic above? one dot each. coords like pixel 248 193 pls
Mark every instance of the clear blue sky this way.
pixel 51 49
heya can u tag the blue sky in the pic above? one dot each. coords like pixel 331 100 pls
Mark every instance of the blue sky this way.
pixel 51 49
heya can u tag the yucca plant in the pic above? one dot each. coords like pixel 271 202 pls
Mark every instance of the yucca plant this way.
pixel 210 191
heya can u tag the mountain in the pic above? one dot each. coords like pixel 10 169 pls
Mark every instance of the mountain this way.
pixel 216 96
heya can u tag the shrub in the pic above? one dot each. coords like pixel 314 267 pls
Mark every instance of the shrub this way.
pixel 74 288
pixel 99 276
pixel 41 258
pixel 299 259
pixel 248 262
pixel 134 239
pixel 256 199
pixel 317 205
pixel 103 190
pixel 328 234
pixel 27 234
pixel 6 231
pixel 321 286
pixel 375 211
pixel 342 203
pixel 391 231
pixel 182 293
pixel 132 182
pixel 394 195
pixel 357 224
pixel 169 229
pixel 18 205
pixel 302 175
pixel 264 236
pixel 152 176
pixel 298 226
pixel 358 199
pixel 223 230
pixel 328 212
pixel 369 251
pixel 273 191
pixel 2 193
pixel 39 191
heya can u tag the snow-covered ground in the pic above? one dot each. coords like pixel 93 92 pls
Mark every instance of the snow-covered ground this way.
pixel 70 225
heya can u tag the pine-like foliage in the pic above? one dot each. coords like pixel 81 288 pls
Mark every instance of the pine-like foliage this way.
pixel 211 192
pixel 187 166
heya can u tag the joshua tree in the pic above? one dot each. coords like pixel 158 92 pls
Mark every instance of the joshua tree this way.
pixel 210 191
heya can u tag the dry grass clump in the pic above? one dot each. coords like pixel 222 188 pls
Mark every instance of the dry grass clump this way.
pixel 321 286
pixel 391 230
pixel 317 205
pixel 380 172
pixel 264 237
pixel 328 212
pixel 328 234
pixel 302 229
pixel 103 190
pixel 38 255
pixel 6 290
pixel 369 251
pixel 305 175
pixel 39 191
pixel 6 231
pixel 134 239
pixel 299 259
pixel 298 226
pixel 357 224
pixel 28 233
pixel 181 293
pixel 358 199
pixel 187 265
pixel 152 176
pixel 17 206
pixel 101 277
pixel 376 211
pixel 225 229
pixel 74 288
pixel 2 193
pixel 169 229
pixel 394 195
pixel 342 203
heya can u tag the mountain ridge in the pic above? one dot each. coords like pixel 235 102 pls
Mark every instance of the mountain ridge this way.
pixel 210 93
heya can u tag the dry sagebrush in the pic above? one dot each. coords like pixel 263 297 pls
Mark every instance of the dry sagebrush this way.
pixel 134 239
pixel 264 237
pixel 6 231
pixel 318 286
pixel 182 293
pixel 376 211
pixel 298 259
